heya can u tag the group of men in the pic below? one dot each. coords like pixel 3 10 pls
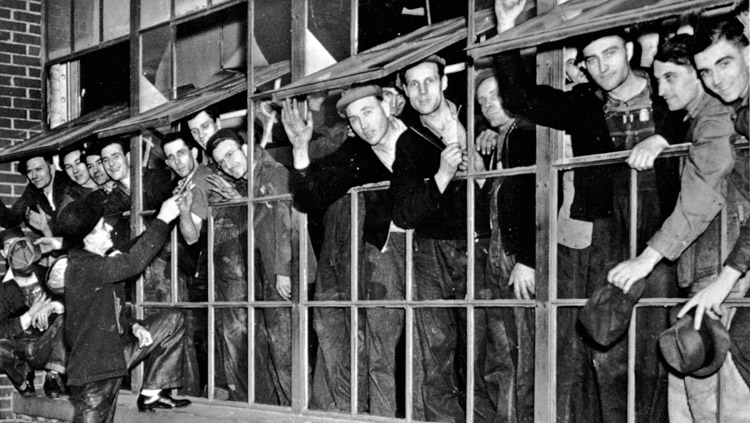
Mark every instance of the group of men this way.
pixel 697 93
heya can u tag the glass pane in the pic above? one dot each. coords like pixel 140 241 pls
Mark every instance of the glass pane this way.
pixel 197 359
pixel 58 28
pixel 230 253
pixel 273 356
pixel 154 12
pixel 231 354
pixel 156 68
pixel 577 392
pixel 183 7
pixel 86 23
pixel 116 19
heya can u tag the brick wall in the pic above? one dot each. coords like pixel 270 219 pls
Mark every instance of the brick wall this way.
pixel 20 83
pixel 20 108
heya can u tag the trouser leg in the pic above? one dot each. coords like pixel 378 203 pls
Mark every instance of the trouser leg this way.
pixel 95 402
pixel 384 279
pixel 164 357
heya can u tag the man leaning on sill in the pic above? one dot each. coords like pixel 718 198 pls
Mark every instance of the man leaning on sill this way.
pixel 618 110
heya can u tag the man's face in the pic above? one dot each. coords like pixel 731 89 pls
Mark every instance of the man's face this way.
pixel 39 172
pixel 100 238
pixel 490 103
pixel 96 169
pixel 606 60
pixel 724 70
pixel 395 100
pixel 572 69
pixel 202 127
pixel 116 163
pixel 75 168
pixel 679 85
pixel 368 118
pixel 179 158
pixel 424 87
pixel 231 159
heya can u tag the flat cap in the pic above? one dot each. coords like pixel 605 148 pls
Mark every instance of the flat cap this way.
pixel 355 93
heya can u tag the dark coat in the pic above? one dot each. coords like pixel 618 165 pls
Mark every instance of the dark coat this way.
pixel 63 192
pixel 92 328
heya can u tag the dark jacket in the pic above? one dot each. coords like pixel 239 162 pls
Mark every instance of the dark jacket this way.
pixel 739 258
pixel 328 179
pixel 579 112
pixel 63 192
pixel 92 329
pixel 514 197
pixel 12 306
pixel 419 204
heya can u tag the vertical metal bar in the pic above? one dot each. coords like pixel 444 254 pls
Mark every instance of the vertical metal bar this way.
pixel 353 309
pixel 354 28
pixel 409 321
pixel 136 227
pixel 173 265
pixel 44 57
pixel 299 325
pixel 210 310
pixel 251 211
pixel 633 215
pixel 428 12
pixel 470 21
pixel 135 56
pixel 550 72
pixel 173 58
pixel 72 26
pixel 299 30
pixel 470 243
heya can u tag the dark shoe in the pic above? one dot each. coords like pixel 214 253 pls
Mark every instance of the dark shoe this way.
pixel 163 400
pixel 54 386
pixel 27 389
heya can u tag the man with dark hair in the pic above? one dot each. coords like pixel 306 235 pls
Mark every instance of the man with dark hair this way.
pixel 618 110
pixel 722 58
pixel 427 200
pixel 103 345
pixel 74 165
pixel 93 159
pixel 273 281
pixel 692 233
pixel 46 193
pixel 25 312
pixel 202 125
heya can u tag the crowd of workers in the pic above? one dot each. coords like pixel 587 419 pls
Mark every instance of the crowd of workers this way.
pixel 65 293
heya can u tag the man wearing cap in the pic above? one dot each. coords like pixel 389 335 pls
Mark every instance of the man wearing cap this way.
pixel 103 344
pixel 273 242
pixel 316 185
pixel 427 200
pixel 47 191
pixel 75 166
pixel 692 233
pixel 24 313
pixel 617 110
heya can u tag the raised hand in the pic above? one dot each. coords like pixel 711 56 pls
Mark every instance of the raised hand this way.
pixel 507 11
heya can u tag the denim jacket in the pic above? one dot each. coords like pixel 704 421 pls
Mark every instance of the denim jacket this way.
pixel 693 232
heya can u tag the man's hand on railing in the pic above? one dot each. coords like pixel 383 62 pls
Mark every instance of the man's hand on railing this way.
pixel 644 154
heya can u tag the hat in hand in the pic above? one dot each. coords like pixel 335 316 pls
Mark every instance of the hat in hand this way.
pixel 606 315
pixel 22 255
pixel 77 219
pixel 698 353
pixel 56 275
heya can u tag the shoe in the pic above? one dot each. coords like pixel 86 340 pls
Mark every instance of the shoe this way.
pixel 163 400
pixel 54 385
pixel 27 388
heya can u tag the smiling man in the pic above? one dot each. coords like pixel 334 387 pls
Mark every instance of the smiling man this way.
pixel 692 233
pixel 75 166
pixel 47 192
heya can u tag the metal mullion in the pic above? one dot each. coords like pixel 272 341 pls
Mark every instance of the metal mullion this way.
pixel 354 27
pixel 409 321
pixel 299 325
pixel 210 310
pixel 633 239
pixel 250 158
pixel 354 296
pixel 173 265
pixel 470 242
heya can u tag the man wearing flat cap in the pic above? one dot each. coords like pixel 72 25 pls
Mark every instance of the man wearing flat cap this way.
pixel 25 311
pixel 103 344
pixel 366 158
